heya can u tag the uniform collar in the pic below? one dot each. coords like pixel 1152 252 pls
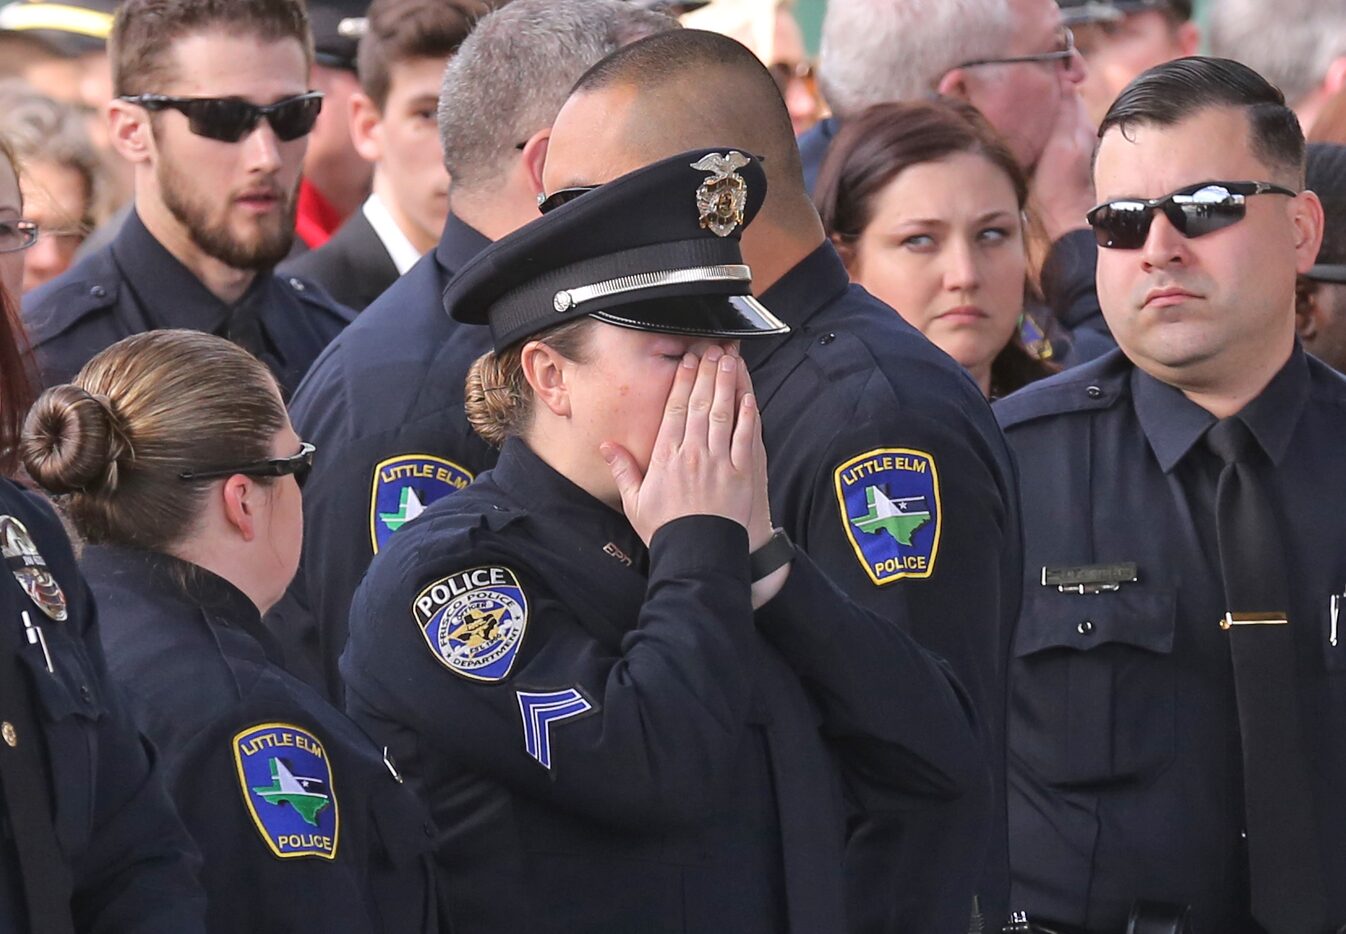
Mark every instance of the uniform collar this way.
pixel 458 244
pixel 798 295
pixel 601 531
pixel 152 572
pixel 170 293
pixel 1173 424
pixel 400 249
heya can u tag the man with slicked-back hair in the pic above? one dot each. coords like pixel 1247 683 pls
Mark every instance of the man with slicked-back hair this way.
pixel 385 404
pixel 885 463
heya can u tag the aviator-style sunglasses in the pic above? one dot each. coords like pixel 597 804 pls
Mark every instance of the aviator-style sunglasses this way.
pixel 229 119
pixel 1193 211
pixel 297 464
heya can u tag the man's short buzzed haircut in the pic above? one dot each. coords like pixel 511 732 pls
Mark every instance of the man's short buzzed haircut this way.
pixel 718 93
pixel 401 31
pixel 143 33
pixel 1170 93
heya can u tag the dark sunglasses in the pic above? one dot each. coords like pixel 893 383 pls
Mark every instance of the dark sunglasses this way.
pixel 296 464
pixel 1193 211
pixel 229 119
pixel 564 196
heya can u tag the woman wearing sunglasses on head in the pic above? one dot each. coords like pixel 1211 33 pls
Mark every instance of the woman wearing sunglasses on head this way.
pixel 925 204
pixel 172 455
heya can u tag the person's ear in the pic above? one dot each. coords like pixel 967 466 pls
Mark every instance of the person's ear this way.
pixel 954 84
pixel 547 373
pixel 1188 36
pixel 534 157
pixel 1335 79
pixel 241 499
pixel 845 247
pixel 1306 216
pixel 130 131
pixel 366 126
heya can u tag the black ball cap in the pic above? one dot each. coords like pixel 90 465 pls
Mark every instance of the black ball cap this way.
pixel 1075 12
pixel 70 28
pixel 655 250
pixel 337 27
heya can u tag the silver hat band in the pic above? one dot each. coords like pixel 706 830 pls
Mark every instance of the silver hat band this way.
pixel 567 299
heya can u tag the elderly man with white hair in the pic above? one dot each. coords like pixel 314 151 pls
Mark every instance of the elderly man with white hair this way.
pixel 1297 45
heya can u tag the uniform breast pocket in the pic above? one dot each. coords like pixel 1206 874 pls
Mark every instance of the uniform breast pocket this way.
pixel 1092 690
pixel 67 707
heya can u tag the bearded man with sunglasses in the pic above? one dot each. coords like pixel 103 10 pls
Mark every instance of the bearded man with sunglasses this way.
pixel 213 109
pixel 1177 685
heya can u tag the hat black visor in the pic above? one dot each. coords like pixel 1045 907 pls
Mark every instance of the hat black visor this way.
pixel 719 316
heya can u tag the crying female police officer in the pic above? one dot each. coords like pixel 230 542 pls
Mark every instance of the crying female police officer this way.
pixel 631 704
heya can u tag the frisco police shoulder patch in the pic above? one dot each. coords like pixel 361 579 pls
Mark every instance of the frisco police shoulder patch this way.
pixel 286 780
pixel 404 486
pixel 474 621
pixel 890 509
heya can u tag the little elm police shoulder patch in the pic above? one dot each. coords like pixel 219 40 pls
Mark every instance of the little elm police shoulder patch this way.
pixel 474 621
pixel 890 509
pixel 286 779
pixel 404 486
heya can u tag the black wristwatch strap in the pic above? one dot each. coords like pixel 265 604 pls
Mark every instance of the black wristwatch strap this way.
pixel 774 555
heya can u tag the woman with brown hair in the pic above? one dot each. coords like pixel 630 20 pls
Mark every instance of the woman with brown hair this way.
pixel 925 204
pixel 631 703
pixel 174 459
pixel 91 841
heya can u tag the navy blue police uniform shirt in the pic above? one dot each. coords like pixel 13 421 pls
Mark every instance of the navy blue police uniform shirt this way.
pixel 384 405
pixel 887 467
pixel 610 739
pixel 134 285
pixel 1125 767
pixel 302 825
pixel 133 866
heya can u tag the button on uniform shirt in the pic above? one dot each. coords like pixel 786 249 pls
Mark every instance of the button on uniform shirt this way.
pixel 384 405
pixel 133 866
pixel 134 284
pixel 610 739
pixel 1125 754
pixel 302 826
pixel 887 467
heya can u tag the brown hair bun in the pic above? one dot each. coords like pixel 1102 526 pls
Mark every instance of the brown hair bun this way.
pixel 73 441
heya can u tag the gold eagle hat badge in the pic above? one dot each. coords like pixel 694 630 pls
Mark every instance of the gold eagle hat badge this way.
pixel 723 196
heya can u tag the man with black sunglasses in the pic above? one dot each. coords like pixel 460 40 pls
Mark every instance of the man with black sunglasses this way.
pixel 213 111
pixel 1178 684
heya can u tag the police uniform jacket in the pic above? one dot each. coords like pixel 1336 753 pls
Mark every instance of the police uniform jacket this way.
pixel 133 866
pixel 1125 767
pixel 865 419
pixel 628 748
pixel 134 284
pixel 384 405
pixel 303 826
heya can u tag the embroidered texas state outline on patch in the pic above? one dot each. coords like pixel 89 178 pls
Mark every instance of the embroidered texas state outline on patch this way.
pixel 891 512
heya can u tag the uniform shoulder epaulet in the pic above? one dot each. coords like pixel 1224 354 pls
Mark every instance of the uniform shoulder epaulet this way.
pixel 57 306
pixel 314 295
pixel 1093 386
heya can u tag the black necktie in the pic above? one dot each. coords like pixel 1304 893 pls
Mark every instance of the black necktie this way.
pixel 1283 862
pixel 45 873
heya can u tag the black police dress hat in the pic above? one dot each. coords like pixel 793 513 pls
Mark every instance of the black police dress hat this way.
pixel 70 28
pixel 337 27
pixel 1074 12
pixel 654 250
